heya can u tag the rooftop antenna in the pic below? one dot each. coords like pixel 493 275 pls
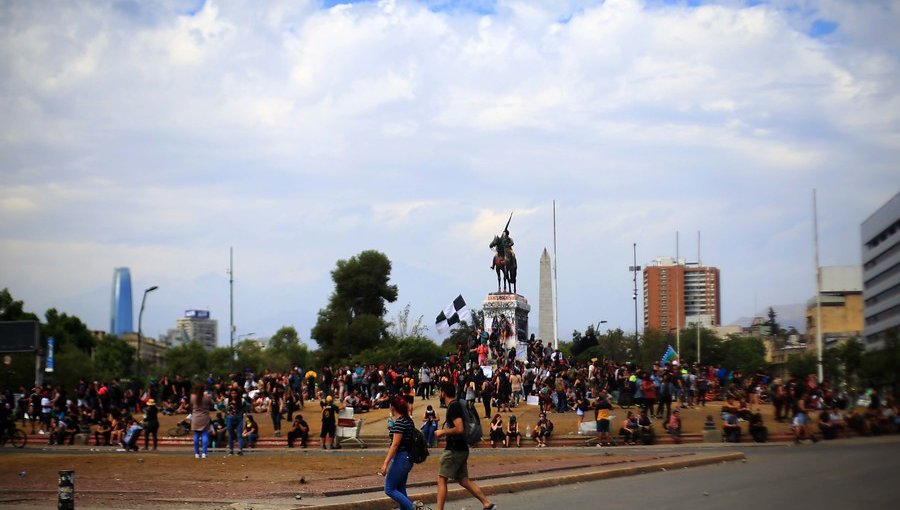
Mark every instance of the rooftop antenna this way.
pixel 699 260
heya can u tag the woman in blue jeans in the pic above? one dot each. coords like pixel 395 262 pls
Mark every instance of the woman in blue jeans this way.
pixel 397 464
pixel 429 425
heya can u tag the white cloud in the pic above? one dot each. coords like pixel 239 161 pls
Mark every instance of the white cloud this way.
pixel 156 137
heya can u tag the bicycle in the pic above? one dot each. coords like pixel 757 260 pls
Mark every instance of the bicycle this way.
pixel 181 429
pixel 15 436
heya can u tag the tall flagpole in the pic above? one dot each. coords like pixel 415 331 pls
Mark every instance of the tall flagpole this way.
pixel 555 287
pixel 677 302
pixel 819 368
pixel 231 304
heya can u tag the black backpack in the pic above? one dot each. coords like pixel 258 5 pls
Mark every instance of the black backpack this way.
pixel 418 448
pixel 471 424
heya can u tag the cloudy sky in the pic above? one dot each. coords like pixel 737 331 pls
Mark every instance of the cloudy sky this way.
pixel 156 135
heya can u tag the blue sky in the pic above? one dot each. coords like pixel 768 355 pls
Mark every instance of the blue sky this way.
pixel 156 136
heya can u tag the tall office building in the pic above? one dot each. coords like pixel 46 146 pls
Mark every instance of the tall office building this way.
pixel 120 306
pixel 545 300
pixel 677 294
pixel 881 273
pixel 196 326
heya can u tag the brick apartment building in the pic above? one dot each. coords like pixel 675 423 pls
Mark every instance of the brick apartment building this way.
pixel 677 293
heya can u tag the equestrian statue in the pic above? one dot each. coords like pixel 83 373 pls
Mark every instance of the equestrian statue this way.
pixel 504 260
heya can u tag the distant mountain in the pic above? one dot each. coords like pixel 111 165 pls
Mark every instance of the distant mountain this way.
pixel 786 315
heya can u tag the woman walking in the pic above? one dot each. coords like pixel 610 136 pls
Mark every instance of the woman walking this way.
pixel 397 463
pixel 200 406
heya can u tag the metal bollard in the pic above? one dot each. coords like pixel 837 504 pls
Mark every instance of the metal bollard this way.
pixel 66 492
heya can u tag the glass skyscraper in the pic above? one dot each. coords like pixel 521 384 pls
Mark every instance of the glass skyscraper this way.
pixel 120 320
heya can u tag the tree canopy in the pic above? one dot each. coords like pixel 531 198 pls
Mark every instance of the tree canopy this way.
pixel 353 320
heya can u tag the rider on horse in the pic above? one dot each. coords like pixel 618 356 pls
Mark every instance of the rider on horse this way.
pixel 504 245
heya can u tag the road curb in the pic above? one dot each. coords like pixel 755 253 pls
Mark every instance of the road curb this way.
pixel 385 503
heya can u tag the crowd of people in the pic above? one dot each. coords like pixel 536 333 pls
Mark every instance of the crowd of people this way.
pixel 484 374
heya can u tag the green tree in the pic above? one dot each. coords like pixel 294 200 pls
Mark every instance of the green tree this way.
pixel 802 364
pixel 67 330
pixel 410 350
pixel 353 321
pixel 711 346
pixel 113 358
pixel 13 310
pixel 841 364
pixel 651 348
pixel 190 359
pixel 218 361
pixel 72 364
pixel 772 323
pixel 614 344
pixel 73 347
pixel 285 351
pixel 250 356
pixel 747 354
pixel 881 367
pixel 21 371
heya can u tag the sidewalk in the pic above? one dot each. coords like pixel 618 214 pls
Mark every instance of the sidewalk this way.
pixel 528 477
pixel 331 480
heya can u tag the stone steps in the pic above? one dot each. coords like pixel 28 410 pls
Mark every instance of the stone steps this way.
pixel 572 440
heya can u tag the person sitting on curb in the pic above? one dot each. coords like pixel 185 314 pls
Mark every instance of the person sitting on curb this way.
pixel 512 432
pixel 629 429
pixel 251 432
pixel 496 435
pixel 430 422
pixel 542 430
pixel 129 442
pixel 758 431
pixel 299 430
pixel 731 428
pixel 648 436
pixel 673 427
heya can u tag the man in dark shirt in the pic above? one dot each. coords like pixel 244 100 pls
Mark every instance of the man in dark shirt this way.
pixel 329 423
pixel 299 430
pixel 454 460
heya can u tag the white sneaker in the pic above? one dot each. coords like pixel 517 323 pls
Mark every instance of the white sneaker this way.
pixel 196 455
pixel 203 456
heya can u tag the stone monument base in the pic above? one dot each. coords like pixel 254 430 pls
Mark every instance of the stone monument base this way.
pixel 512 306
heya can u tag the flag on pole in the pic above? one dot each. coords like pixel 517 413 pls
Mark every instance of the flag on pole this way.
pixel 453 313
pixel 669 356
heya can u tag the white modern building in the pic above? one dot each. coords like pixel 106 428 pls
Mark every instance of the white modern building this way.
pixel 195 326
pixel 881 273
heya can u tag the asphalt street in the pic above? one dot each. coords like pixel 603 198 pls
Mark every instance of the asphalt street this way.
pixel 859 474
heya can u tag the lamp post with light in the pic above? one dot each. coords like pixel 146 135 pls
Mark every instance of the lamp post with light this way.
pixel 140 332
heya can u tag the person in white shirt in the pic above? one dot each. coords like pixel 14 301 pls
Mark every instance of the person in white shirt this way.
pixel 46 408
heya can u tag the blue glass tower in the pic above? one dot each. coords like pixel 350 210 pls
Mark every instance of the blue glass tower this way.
pixel 120 309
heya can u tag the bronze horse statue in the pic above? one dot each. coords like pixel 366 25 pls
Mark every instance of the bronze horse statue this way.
pixel 505 264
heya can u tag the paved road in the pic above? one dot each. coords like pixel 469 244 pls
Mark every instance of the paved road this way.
pixel 846 476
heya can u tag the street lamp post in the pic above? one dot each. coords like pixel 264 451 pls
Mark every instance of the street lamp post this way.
pixel 234 356
pixel 140 332
pixel 634 271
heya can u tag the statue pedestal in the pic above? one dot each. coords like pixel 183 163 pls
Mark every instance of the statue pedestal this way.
pixel 515 308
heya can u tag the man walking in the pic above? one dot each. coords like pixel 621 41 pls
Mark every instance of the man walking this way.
pixel 454 460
